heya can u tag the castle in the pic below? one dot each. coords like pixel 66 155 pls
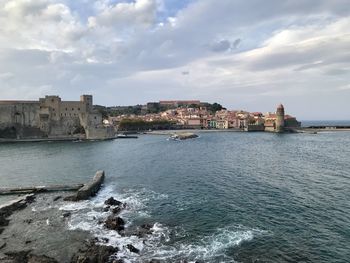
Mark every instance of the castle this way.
pixel 50 117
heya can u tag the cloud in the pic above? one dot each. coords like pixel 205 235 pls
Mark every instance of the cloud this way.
pixel 224 45
pixel 139 13
pixel 244 54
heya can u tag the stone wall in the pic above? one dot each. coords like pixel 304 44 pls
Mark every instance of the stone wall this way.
pixel 21 118
pixel 254 127
pixel 51 117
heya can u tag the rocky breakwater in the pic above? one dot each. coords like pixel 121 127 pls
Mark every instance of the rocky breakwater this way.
pixel 183 136
pixel 34 228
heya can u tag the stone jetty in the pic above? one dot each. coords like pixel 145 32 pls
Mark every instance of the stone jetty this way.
pixel 183 136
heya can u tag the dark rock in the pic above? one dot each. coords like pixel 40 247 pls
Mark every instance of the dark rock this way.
pixel 71 198
pixel 115 223
pixel 118 261
pixel 116 210
pixel 18 256
pixel 30 199
pixel 94 254
pixel 106 209
pixel 111 201
pixel 57 198
pixel 40 259
pixel 66 214
pixel 132 249
pixel 2 244
pixel 28 221
pixel 28 242
pixel 146 226
pixel 144 230
pixel 1 230
pixel 154 261
pixel 4 221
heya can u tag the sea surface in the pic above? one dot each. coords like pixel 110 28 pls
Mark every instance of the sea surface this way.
pixel 222 197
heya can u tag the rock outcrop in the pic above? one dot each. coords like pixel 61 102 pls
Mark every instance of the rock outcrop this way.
pixel 94 254
pixel 115 223
pixel 183 136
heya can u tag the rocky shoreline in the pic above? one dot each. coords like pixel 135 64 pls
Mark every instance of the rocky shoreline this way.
pixel 31 234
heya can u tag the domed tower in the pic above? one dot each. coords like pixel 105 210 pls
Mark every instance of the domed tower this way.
pixel 280 118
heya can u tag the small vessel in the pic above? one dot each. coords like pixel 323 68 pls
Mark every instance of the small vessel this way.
pixel 125 136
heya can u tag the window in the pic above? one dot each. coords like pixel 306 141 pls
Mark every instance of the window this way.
pixel 66 109
pixel 72 108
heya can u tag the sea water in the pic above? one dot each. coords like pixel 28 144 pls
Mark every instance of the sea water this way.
pixel 222 197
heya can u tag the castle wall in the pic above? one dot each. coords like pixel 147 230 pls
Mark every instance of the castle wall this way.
pixel 19 113
pixel 101 132
pixel 51 117
pixel 21 118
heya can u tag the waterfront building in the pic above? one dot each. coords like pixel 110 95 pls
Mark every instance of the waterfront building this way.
pixel 222 124
pixel 50 117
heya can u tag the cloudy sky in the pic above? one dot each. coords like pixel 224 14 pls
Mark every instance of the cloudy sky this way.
pixel 245 54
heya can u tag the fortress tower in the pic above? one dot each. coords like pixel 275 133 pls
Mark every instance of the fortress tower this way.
pixel 87 102
pixel 280 118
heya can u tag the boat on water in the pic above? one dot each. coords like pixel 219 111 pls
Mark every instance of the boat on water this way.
pixel 125 136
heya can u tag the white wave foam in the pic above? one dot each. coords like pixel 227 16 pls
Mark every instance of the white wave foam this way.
pixel 207 248
pixel 160 244
pixel 86 215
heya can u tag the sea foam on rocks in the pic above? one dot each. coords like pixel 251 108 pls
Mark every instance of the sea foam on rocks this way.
pixel 147 242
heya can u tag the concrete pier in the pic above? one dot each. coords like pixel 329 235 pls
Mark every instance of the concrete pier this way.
pixel 84 191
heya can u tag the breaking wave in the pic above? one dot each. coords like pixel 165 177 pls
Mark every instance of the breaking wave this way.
pixel 165 243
